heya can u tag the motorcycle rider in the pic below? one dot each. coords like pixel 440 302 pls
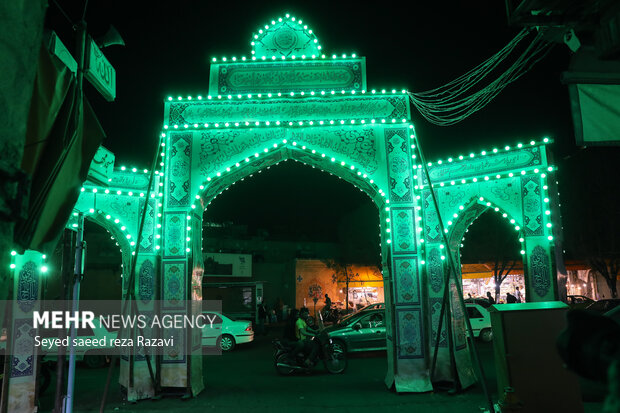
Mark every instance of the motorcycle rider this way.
pixel 304 335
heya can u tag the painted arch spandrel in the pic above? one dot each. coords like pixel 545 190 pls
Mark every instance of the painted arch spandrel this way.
pixel 217 155
pixel 504 194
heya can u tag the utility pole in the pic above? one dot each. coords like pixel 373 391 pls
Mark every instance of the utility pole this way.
pixel 78 273
pixel 346 273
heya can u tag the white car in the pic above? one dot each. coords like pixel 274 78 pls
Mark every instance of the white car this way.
pixel 480 320
pixel 226 332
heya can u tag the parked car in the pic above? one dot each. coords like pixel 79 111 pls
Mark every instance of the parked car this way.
pixel 365 330
pixel 614 314
pixel 226 332
pixel 602 306
pixel 480 301
pixel 578 301
pixel 374 306
pixel 361 331
pixel 480 320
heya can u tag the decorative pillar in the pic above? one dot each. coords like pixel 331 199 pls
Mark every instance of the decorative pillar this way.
pixel 539 263
pixel 177 256
pixel 437 268
pixel 28 269
pixel 408 367
pixel 140 384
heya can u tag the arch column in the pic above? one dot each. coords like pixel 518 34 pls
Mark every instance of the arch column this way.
pixel 539 269
pixel 134 372
pixel 21 351
pixel 121 219
pixel 179 367
pixel 539 264
pixel 408 356
pixel 450 352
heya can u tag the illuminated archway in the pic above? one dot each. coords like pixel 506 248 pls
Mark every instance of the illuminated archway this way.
pixel 290 100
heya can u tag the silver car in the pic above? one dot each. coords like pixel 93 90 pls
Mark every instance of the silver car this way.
pixel 362 331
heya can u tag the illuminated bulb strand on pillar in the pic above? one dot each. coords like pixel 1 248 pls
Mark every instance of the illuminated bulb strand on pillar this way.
pixel 43 269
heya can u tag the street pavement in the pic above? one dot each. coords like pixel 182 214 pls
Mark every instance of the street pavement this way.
pixel 245 380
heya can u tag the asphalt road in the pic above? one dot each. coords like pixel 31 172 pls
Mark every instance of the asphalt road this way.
pixel 246 380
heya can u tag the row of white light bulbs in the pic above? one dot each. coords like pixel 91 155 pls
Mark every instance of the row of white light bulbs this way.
pixel 290 123
pixel 387 208
pixel 323 155
pixel 486 178
pixel 43 270
pixel 303 147
pixel 504 215
pixel 485 153
pixel 127 191
pixel 121 192
pixel 343 56
pixel 314 152
pixel 274 95
pixel 122 227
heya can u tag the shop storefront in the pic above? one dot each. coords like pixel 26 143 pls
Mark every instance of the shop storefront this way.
pixel 315 278
pixel 478 280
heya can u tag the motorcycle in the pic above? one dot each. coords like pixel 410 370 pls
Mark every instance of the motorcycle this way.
pixel 286 362
pixel 331 315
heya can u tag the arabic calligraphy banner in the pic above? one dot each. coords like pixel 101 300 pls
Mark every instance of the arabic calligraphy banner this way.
pixel 233 78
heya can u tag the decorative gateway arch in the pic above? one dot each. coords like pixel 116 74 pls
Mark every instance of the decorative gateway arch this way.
pixel 289 100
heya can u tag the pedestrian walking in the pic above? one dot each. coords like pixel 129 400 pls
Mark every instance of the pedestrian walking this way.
pixel 518 296
pixel 262 318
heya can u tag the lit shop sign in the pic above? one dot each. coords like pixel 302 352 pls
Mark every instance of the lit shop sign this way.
pixel 99 71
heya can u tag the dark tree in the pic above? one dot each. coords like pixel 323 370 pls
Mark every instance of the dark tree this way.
pixel 591 209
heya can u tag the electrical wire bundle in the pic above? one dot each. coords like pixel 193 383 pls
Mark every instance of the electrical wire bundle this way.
pixel 449 104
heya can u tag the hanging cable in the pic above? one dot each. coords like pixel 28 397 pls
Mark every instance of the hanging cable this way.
pixel 446 105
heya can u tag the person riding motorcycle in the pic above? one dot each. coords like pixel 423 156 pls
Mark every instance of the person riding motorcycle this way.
pixel 328 303
pixel 304 335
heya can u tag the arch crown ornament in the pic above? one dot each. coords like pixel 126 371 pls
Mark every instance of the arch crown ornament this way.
pixel 285 37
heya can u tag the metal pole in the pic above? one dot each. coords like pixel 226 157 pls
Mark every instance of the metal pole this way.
pixel 67 242
pixel 346 272
pixel 75 305
pixel 79 242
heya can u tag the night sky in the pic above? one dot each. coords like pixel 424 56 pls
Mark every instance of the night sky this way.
pixel 407 45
